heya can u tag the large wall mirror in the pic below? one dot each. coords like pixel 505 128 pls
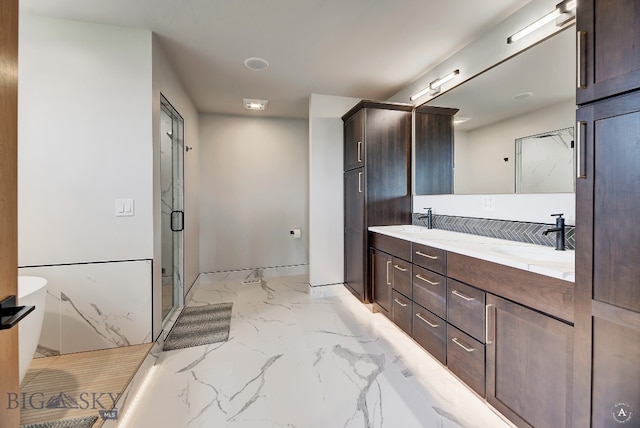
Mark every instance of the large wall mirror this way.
pixel 531 95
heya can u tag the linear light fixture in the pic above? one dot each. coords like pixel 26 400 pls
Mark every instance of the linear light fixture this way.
pixel 563 13
pixel 435 86
pixel 251 104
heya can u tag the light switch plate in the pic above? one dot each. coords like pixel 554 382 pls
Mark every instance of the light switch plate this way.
pixel 125 208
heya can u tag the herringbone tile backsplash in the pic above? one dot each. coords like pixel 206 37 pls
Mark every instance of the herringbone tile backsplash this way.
pixel 512 230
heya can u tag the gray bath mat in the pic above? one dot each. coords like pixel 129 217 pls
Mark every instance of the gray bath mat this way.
pixel 200 325
pixel 85 422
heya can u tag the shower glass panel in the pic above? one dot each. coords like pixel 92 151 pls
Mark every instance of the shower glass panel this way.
pixel 172 200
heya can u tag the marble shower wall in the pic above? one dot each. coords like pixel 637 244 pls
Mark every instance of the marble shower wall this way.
pixel 94 306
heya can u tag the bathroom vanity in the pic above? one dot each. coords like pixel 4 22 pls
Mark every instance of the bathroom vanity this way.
pixel 498 314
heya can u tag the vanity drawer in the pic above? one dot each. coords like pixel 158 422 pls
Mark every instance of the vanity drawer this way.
pixel 431 258
pixel 465 308
pixel 401 311
pixel 402 276
pixel 430 291
pixel 465 358
pixel 395 246
pixel 430 332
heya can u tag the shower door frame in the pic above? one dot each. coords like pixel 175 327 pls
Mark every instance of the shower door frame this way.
pixel 176 220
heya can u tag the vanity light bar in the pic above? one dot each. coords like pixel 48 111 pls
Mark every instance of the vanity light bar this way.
pixel 565 7
pixel 435 85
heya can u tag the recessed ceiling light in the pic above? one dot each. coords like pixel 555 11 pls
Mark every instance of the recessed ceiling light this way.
pixel 256 64
pixel 522 95
pixel 459 120
pixel 251 104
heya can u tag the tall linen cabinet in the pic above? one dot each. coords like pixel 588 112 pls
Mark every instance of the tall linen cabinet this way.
pixel 607 289
pixel 377 181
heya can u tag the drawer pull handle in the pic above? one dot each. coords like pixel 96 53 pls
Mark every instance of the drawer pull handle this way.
pixel 422 278
pixel 388 264
pixel 359 151
pixel 462 345
pixel 465 297
pixel 400 303
pixel 429 256
pixel 432 325
pixel 401 269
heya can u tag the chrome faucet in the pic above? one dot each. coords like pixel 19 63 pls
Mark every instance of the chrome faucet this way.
pixel 429 217
pixel 558 230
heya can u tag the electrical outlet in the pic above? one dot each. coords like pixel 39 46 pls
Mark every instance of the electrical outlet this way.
pixel 488 203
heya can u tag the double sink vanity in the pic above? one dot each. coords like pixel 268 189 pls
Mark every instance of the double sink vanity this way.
pixel 497 313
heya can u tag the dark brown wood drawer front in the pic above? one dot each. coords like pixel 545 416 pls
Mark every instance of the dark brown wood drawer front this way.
pixel 543 293
pixel 465 358
pixel 430 332
pixel 395 246
pixel 465 308
pixel 431 258
pixel 430 291
pixel 402 276
pixel 402 311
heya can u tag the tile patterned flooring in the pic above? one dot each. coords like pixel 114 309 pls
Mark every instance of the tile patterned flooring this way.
pixel 302 357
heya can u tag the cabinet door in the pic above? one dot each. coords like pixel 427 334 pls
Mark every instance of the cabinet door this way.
pixel 381 279
pixel 354 141
pixel 434 152
pixel 388 147
pixel 609 52
pixel 354 233
pixel 529 365
pixel 611 147
pixel 616 374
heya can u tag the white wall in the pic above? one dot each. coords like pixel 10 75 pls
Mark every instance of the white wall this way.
pixel 326 212
pixel 254 190
pixel 84 141
pixel 480 165
pixel 167 83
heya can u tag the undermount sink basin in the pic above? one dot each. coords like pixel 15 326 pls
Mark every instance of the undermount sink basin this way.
pixel 542 254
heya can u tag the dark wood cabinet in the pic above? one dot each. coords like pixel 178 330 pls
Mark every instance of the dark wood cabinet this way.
pixel 612 140
pixel 606 356
pixel 402 276
pixel 466 308
pixel 608 48
pixel 616 373
pixel 354 233
pixel 529 364
pixel 430 290
pixel 354 155
pixel 401 313
pixel 434 150
pixel 377 181
pixel 430 331
pixel 465 358
pixel 381 279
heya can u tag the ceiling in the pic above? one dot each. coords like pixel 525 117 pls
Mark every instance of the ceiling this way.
pixel 353 48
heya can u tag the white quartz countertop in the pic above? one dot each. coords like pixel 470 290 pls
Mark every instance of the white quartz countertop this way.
pixel 533 258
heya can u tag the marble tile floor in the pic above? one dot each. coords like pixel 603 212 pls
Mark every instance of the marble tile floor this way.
pixel 302 357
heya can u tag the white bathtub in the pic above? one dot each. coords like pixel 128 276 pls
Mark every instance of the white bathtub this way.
pixel 32 291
